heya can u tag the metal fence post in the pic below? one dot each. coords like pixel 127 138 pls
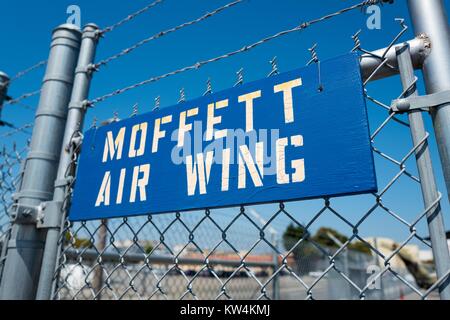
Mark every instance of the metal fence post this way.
pixel 427 180
pixel 276 266
pixel 54 212
pixel 430 19
pixel 4 81
pixel 21 270
pixel 101 245
pixel 380 265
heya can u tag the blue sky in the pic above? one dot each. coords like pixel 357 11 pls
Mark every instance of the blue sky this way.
pixel 29 25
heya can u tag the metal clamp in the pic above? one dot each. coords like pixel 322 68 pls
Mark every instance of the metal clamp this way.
pixel 49 217
pixel 77 139
pixel 88 69
pixel 25 214
pixel 421 102
pixel 61 183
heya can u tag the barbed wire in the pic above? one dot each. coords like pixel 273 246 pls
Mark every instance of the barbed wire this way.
pixel 23 97
pixel 28 70
pixel 25 106
pixel 246 48
pixel 18 130
pixel 178 237
pixel 20 74
pixel 131 16
pixel 123 277
pixel 166 32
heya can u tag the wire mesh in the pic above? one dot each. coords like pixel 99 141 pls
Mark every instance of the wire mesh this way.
pixel 228 254
pixel 11 162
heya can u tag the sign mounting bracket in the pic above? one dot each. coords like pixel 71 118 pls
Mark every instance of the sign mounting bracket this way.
pixel 421 102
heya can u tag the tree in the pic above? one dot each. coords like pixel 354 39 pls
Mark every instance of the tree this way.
pixel 78 242
pixel 361 247
pixel 324 237
pixel 292 233
pixel 148 247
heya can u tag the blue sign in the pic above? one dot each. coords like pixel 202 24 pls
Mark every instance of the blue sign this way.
pixel 298 135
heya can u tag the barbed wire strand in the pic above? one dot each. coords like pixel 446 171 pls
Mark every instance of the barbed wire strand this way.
pixel 246 48
pixel 22 73
pixel 23 97
pixel 25 106
pixel 43 62
pixel 131 16
pixel 18 130
pixel 166 32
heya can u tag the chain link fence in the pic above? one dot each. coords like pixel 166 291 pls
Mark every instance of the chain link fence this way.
pixel 288 252
pixel 227 254
pixel 11 162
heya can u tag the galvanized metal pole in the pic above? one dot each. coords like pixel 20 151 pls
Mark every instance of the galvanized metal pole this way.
pixel 419 46
pixel 380 265
pixel 101 245
pixel 54 212
pixel 430 19
pixel 23 261
pixel 276 266
pixel 427 180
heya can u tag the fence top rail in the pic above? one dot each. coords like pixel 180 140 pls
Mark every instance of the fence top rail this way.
pixel 420 48
pixel 112 257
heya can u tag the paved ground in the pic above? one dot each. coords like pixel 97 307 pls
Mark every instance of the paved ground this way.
pixel 120 286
